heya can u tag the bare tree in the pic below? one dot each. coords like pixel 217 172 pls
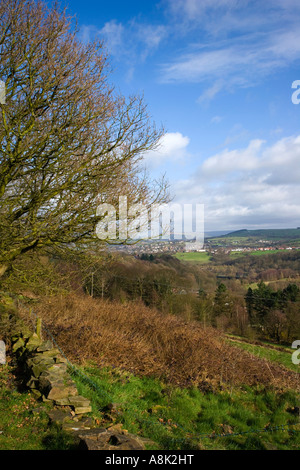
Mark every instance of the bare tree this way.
pixel 66 136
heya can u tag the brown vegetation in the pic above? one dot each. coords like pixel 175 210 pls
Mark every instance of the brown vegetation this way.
pixel 146 342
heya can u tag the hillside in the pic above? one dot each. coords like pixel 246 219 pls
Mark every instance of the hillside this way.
pixel 160 372
pixel 148 343
pixel 266 234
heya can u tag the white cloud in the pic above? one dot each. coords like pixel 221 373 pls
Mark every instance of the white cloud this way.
pixel 151 35
pixel 216 119
pixel 172 147
pixel 211 92
pixel 195 9
pixel 234 160
pixel 113 34
pixel 238 63
pixel 132 40
pixel 231 44
pixel 87 33
pixel 242 188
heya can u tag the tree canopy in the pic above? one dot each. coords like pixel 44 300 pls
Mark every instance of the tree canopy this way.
pixel 68 140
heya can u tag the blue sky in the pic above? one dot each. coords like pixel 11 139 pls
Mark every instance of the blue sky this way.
pixel 217 74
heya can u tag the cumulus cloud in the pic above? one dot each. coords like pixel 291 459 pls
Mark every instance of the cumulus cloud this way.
pixel 172 147
pixel 249 187
pixel 234 160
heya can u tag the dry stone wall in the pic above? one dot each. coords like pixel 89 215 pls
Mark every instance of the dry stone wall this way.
pixel 46 372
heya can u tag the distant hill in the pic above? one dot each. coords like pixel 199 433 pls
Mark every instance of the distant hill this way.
pixel 216 233
pixel 266 234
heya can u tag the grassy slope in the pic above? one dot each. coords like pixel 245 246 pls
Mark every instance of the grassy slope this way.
pixel 271 353
pixel 269 234
pixel 171 417
pixel 181 418
pixel 215 412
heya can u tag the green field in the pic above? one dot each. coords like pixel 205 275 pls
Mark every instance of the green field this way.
pixel 236 254
pixel 202 257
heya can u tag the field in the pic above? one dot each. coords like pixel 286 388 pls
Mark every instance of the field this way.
pixel 254 252
pixel 204 257
pixel 168 416
pixel 200 257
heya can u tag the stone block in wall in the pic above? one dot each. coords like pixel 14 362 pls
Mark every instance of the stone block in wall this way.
pixel 56 385
pixel 33 342
pixel 103 439
pixel 2 352
pixel 79 404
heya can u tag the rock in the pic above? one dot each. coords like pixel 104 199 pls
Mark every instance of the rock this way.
pixel 80 404
pixel 58 368
pixel 32 383
pixel 54 353
pixel 40 359
pixel 33 342
pixel 55 385
pixel 86 422
pixel 114 407
pixel 45 346
pixel 62 401
pixel 79 401
pixel 38 369
pixel 64 418
pixel 61 360
pixel 2 353
pixel 82 410
pixel 60 416
pixel 59 390
pixel 117 428
pixel 103 439
pixel 36 393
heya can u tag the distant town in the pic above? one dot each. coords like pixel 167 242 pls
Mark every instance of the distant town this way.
pixel 213 245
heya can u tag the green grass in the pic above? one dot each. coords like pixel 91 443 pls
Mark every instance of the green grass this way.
pixel 186 419
pixel 172 418
pixel 271 354
pixel 24 423
pixel 201 257
pixel 237 254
